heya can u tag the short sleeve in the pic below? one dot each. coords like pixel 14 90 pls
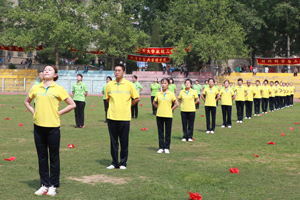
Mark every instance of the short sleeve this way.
pixel 156 98
pixel 175 87
pixel 32 92
pixel 232 92
pixel 180 95
pixel 73 88
pixel 140 86
pixel 173 97
pixel 134 93
pixel 107 92
pixel 196 94
pixel 63 94
pixel 85 88
pixel 217 91
pixel 204 92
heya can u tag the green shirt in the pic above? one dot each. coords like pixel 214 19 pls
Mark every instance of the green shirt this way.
pixel 155 88
pixel 37 83
pixel 137 86
pixel 183 87
pixel 103 90
pixel 197 87
pixel 218 87
pixel 232 87
pixel 205 86
pixel 79 91
pixel 172 88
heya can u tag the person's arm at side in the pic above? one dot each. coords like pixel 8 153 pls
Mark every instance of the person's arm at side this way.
pixel 218 97
pixel 141 88
pixel 246 93
pixel 175 105
pixel 155 103
pixel 28 105
pixel 71 105
pixel 202 96
pixel 233 97
pixel 86 93
pixel 196 100
pixel 135 101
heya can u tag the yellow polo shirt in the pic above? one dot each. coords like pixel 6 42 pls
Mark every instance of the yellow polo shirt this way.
pixel 226 96
pixel 47 102
pixel 250 91
pixel 257 92
pixel 164 101
pixel 272 88
pixel 240 93
pixel 288 91
pixel 266 91
pixel 119 96
pixel 292 90
pixel 277 88
pixel 210 96
pixel 282 91
pixel 188 100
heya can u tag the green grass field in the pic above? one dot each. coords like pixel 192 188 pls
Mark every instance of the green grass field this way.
pixel 200 166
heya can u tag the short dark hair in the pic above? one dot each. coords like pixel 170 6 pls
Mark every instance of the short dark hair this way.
pixel 211 79
pixel 240 79
pixel 276 82
pixel 165 79
pixel 197 80
pixel 266 80
pixel 271 82
pixel 171 79
pixel 134 76
pixel 257 81
pixel 109 78
pixel 121 65
pixel 227 81
pixel 188 80
pixel 80 75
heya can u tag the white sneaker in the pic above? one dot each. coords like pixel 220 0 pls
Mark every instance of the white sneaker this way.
pixel 208 132
pixel 212 132
pixel 51 191
pixel 160 151
pixel 241 121
pixel 122 167
pixel 254 114
pixel 183 140
pixel 222 126
pixel 249 118
pixel 229 126
pixel 246 117
pixel 110 167
pixel 237 121
pixel 167 151
pixel 190 140
pixel 41 191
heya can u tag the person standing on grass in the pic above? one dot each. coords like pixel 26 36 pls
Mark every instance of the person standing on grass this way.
pixel 241 93
pixel 198 89
pixel 121 96
pixel 277 95
pixel 249 100
pixel 172 88
pixel 266 91
pixel 209 96
pixel 154 88
pixel 272 97
pixel 163 102
pixel 188 99
pixel 292 94
pixel 227 96
pixel 288 94
pixel 282 91
pixel 139 88
pixel 105 103
pixel 79 91
pixel 218 87
pixel 257 97
pixel 48 96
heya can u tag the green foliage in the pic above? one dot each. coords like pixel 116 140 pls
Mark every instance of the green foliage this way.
pixel 130 66
pixel 5 6
pixel 155 42
pixel 11 66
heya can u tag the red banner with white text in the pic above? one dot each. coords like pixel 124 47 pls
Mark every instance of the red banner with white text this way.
pixel 92 52
pixel 158 50
pixel 20 49
pixel 278 61
pixel 156 59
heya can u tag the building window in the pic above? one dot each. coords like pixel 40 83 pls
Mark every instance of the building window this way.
pixel 20 54
pixel 29 54
pixel 1 53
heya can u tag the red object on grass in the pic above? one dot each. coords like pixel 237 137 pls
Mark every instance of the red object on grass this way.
pixel 21 124
pixel 144 129
pixel 147 109
pixel 9 100
pixel 195 196
pixel 10 159
pixel 234 170
pixel 200 103
pixel 25 110
pixel 291 128
pixel 296 123
pixel 141 104
pixel 13 107
pixel 86 116
pixel 202 115
pixel 282 134
pixel 270 142
pixel 3 104
pixel 7 118
pixel 92 109
pixel 256 155
pixel 93 105
pixel 146 101
pixel 3 99
pixel 71 146
pixel 260 115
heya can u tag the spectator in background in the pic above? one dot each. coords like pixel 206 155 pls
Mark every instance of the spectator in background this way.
pixel 251 68
pixel 295 71
pixel 103 63
pixel 1 61
pixel 237 69
pixel 255 70
pixel 76 68
pixel 86 69
pixel 164 69
pixel 229 71
pixel 186 72
pixel 266 69
pixel 93 61
pixel 29 63
pixel 8 57
pixel 108 79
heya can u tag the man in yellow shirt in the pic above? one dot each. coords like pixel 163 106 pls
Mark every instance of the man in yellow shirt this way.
pixel 249 100
pixel 227 95
pixel 277 95
pixel 272 97
pixel 241 93
pixel 266 91
pixel 292 94
pixel 119 94
pixel 210 99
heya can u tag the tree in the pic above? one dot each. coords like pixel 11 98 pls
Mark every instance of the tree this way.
pixel 155 42
pixel 51 22
pixel 4 9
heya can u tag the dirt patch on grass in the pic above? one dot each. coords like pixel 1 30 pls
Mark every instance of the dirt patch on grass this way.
pixel 102 178
pixel 21 139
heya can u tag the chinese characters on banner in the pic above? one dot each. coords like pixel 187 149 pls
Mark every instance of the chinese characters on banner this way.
pixel 148 59
pixel 20 49
pixel 278 61
pixel 92 52
pixel 155 50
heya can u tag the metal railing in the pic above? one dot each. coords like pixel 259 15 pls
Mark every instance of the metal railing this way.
pixel 16 84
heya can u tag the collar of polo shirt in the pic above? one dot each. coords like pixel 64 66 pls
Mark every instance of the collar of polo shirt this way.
pixel 122 82
pixel 52 84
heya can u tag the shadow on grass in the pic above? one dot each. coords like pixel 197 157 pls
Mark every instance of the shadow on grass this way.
pixel 176 138
pixel 104 162
pixel 152 148
pixel 35 183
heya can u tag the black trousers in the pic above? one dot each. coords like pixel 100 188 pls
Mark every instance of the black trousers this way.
pixel 154 109
pixel 164 139
pixel 272 102
pixel 288 100
pixel 226 112
pixel 118 130
pixel 292 100
pixel 134 111
pixel 106 104
pixel 264 104
pixel 249 106
pixel 282 101
pixel 277 102
pixel 198 104
pixel 188 119
pixel 257 105
pixel 48 139
pixel 210 111
pixel 79 113
pixel 240 109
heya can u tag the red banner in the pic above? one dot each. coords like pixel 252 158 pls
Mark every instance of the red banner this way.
pixel 278 61
pixel 92 52
pixel 20 49
pixel 158 50
pixel 155 59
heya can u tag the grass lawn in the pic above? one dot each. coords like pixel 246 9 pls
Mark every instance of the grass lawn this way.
pixel 200 166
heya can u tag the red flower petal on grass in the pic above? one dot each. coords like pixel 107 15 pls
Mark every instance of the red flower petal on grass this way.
pixel 291 128
pixel 270 142
pixel 256 155
pixel 296 123
pixel 3 104
pixel 141 104
pixel 202 115
pixel 19 98
pixel 260 115
pixel 195 196
pixel 10 159
pixel 234 170
pixel 71 146
pixel 25 110
pixel 144 129
pixel 3 99
pixel 93 105
pixel 86 116
pixel 282 134
pixel 13 107
pixel 92 109
pixel 21 124
pixel 147 109
pixel 6 118
pixel 9 100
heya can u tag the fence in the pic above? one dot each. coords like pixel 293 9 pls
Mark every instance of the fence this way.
pixel 16 84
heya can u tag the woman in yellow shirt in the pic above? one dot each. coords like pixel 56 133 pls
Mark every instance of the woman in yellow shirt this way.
pixel 188 99
pixel 272 98
pixel 163 102
pixel 288 95
pixel 292 93
pixel 227 95
pixel 266 91
pixel 282 91
pixel 249 100
pixel 257 97
pixel 48 96
pixel 241 93
pixel 210 99
pixel 277 95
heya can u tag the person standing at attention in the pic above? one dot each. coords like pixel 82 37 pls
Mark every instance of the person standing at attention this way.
pixel 257 97
pixel 198 89
pixel 188 99
pixel 79 91
pixel 241 93
pixel 154 88
pixel 139 88
pixel 249 100
pixel 172 88
pixel 218 87
pixel 119 94
pixel 209 96
pixel 282 91
pixel 266 91
pixel 272 97
pixel 292 94
pixel 277 95
pixel 105 103
pixel 288 94
pixel 163 102
pixel 227 95
pixel 46 117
